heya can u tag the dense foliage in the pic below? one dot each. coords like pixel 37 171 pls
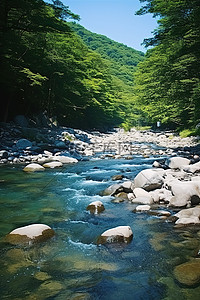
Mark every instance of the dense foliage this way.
pixel 46 66
pixel 168 80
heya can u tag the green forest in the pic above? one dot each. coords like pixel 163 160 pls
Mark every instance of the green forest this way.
pixel 50 63
pixel 167 82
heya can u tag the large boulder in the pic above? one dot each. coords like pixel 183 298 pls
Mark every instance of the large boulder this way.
pixel 120 234
pixel 188 216
pixel 23 144
pixel 112 189
pixel 177 162
pixel 30 233
pixel 188 273
pixel 139 192
pixel 195 168
pixel 161 195
pixel 96 207
pixel 127 186
pixel 185 193
pixel 33 167
pixel 148 179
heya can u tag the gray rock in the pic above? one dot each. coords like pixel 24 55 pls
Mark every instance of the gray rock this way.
pixel 127 186
pixel 65 159
pixel 53 164
pixel 195 168
pixel 23 144
pixel 148 180
pixel 111 190
pixel 156 164
pixel 4 154
pixel 161 195
pixel 177 162
pixel 34 233
pixel 185 193
pixel 188 216
pixel 141 208
pixel 139 192
pixel 33 167
pixel 143 200
pixel 120 234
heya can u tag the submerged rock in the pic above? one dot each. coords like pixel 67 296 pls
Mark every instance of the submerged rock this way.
pixel 34 233
pixel 188 273
pixel 117 177
pixel 120 234
pixel 96 207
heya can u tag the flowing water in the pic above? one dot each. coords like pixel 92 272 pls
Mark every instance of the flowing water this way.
pixel 71 265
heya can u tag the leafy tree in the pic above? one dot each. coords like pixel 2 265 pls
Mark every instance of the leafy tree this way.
pixel 168 81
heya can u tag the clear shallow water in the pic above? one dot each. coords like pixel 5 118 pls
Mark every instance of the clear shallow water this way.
pixel 71 265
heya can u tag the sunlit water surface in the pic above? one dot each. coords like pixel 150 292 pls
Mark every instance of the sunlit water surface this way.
pixel 71 265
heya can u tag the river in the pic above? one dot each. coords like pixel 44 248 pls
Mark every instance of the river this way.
pixel 71 265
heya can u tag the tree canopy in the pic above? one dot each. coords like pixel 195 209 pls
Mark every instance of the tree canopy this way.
pixel 168 80
pixel 46 66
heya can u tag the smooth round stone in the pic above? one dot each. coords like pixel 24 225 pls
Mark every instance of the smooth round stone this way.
pixel 141 208
pixel 33 167
pixel 53 164
pixel 120 234
pixel 34 233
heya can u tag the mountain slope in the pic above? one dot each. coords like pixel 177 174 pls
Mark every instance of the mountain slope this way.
pixel 122 59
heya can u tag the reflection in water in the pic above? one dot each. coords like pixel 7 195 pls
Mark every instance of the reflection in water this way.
pixel 71 265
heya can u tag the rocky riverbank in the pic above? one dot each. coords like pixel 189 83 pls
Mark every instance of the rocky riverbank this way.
pixel 22 143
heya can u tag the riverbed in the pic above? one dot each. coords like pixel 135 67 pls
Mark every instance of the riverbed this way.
pixel 71 265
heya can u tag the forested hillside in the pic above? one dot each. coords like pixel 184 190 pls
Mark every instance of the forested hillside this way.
pixel 46 66
pixel 121 61
pixel 168 80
